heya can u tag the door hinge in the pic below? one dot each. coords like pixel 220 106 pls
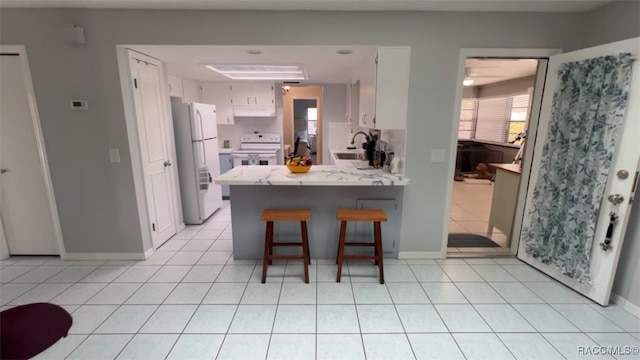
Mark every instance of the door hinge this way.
pixel 396 206
pixel 153 226
pixel 376 61
pixel 135 83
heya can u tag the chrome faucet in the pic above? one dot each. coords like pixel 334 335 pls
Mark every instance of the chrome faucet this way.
pixel 353 139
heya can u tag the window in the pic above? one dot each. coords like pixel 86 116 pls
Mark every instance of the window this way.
pixel 312 121
pixel 518 119
pixel 501 119
pixel 467 119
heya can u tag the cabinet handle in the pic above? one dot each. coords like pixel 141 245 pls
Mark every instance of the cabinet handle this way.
pixel 255 100
pixel 170 90
pixel 248 100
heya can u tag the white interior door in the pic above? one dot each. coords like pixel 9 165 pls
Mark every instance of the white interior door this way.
pixel 154 147
pixel 603 264
pixel 24 203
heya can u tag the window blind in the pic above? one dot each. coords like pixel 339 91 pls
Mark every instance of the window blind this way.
pixel 493 116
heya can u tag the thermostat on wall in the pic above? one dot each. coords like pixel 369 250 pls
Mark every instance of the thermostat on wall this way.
pixel 79 105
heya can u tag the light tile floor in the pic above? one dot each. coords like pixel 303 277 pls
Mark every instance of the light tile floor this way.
pixel 192 300
pixel 470 209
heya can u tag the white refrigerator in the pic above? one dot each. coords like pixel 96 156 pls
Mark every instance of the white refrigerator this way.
pixel 196 133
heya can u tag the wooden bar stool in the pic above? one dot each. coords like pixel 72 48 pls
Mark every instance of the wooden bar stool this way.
pixel 374 215
pixel 271 215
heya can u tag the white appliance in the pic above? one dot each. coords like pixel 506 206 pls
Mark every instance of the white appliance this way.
pixel 196 133
pixel 258 149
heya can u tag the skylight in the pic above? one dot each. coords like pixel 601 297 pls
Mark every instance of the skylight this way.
pixel 261 72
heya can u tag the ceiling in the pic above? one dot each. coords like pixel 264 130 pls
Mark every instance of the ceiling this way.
pixel 488 71
pixel 327 5
pixel 322 63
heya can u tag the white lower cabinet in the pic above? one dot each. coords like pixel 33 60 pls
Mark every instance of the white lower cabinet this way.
pixel 226 164
pixel 363 231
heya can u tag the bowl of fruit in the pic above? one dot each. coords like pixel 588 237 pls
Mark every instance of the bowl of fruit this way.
pixel 299 164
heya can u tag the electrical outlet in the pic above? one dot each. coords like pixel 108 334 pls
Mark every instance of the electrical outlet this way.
pixel 437 155
pixel 114 155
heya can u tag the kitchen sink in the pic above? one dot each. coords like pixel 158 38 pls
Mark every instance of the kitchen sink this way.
pixel 347 156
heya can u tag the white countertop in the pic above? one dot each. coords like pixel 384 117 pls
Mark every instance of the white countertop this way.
pixel 225 150
pixel 318 175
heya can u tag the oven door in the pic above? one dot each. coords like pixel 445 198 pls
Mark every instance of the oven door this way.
pixel 254 159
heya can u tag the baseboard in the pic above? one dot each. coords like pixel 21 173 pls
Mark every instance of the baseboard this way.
pixel 180 227
pixel 408 255
pixel 107 256
pixel 625 304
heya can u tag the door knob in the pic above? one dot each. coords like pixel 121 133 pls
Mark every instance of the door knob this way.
pixel 2 171
pixel 616 199
pixel 167 163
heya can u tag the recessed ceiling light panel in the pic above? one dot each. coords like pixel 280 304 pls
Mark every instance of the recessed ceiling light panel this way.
pixel 260 72
pixel 467 82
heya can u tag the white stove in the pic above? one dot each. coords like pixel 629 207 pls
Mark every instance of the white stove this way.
pixel 258 149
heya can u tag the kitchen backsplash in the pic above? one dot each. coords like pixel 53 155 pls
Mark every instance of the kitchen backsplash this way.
pixel 247 125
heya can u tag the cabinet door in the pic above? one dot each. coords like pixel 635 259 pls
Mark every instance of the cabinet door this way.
pixel 263 94
pixel 226 164
pixel 191 91
pixel 175 86
pixel 220 96
pixel 354 113
pixel 242 94
pixel 390 232
pixel 392 87
pixel 367 92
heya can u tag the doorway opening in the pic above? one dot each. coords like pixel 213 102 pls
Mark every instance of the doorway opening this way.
pixel 302 120
pixel 495 115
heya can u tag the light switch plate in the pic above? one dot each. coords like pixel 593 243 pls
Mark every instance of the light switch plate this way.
pixel 114 155
pixel 437 155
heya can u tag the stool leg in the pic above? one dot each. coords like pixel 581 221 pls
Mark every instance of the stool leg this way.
pixel 267 250
pixel 378 246
pixel 343 233
pixel 270 241
pixel 375 247
pixel 305 250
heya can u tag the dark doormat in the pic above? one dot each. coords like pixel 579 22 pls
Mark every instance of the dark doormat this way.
pixel 27 330
pixel 470 240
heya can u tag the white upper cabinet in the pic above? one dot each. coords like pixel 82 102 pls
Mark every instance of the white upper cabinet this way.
pixel 392 87
pixel 367 92
pixel 253 94
pixel 220 96
pixel 191 91
pixel 175 86
pixel 384 89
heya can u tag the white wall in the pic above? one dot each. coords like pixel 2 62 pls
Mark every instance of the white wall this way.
pixel 334 110
pixel 96 200
pixel 247 125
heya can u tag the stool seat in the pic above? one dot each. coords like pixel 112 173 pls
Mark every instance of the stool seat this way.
pixel 286 215
pixel 361 215
pixel 272 215
pixel 376 216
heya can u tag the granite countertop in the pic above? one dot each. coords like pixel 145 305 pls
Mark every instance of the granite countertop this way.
pixel 318 175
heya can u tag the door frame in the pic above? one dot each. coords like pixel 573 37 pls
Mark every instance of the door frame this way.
pixel 529 145
pixel 124 56
pixel 320 105
pixel 44 162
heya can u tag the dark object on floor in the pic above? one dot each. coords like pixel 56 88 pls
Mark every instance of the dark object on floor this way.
pixel 27 330
pixel 470 240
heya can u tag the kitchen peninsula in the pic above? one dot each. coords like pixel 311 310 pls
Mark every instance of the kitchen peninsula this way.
pixel 323 189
